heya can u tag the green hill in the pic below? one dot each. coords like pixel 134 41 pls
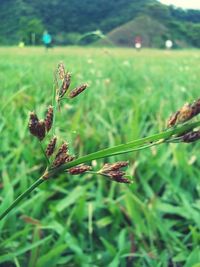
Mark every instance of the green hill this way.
pixel 152 32
pixel 68 20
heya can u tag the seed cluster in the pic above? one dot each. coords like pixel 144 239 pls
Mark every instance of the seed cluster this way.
pixel 113 171
pixel 79 169
pixel 78 90
pixel 49 118
pixel 62 156
pixel 65 78
pixel 187 112
pixel 51 146
pixel 38 127
pixel 191 137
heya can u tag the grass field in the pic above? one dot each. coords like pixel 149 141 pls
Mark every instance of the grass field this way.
pixel 88 220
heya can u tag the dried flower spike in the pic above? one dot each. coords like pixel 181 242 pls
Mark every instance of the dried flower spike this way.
pixel 108 167
pixel 33 121
pixel 195 108
pixel 62 150
pixel 118 176
pixel 51 146
pixel 36 127
pixel 41 130
pixel 60 160
pixel 65 84
pixel 187 112
pixel 78 90
pixel 172 120
pixel 123 180
pixel 61 71
pixel 69 158
pixel 79 169
pixel 191 137
pixel 49 118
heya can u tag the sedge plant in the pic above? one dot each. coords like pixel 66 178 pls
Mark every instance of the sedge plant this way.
pixel 179 128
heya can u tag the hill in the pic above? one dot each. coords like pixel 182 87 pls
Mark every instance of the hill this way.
pixel 68 20
pixel 151 31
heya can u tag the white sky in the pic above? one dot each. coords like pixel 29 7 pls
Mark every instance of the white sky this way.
pixel 192 4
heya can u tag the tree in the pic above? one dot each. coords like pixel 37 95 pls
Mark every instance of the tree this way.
pixel 31 30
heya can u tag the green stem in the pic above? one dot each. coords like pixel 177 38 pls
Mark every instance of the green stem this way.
pixel 44 153
pixel 136 145
pixel 128 147
pixel 22 196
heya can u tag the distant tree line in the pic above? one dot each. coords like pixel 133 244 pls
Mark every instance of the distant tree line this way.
pixel 67 21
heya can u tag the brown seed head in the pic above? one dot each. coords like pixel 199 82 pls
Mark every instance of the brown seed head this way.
pixel 78 90
pixel 33 121
pixel 172 120
pixel 79 169
pixel 49 118
pixel 65 84
pixel 113 166
pixel 69 158
pixel 41 130
pixel 61 71
pixel 60 160
pixel 117 176
pixel 51 146
pixel 185 113
pixel 123 180
pixel 62 150
pixel 191 137
pixel 195 107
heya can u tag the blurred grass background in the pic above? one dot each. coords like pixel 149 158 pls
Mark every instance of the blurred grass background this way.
pixel 87 220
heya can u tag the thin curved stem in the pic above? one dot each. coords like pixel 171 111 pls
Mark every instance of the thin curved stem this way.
pixel 44 153
pixel 128 147
pixel 22 196
pixel 136 145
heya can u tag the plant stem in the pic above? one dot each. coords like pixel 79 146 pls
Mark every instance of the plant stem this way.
pixel 136 145
pixel 22 196
pixel 44 153
pixel 129 147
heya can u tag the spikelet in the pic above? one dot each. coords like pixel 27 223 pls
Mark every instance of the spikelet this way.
pixel 123 180
pixel 69 158
pixel 36 127
pixel 62 150
pixel 112 170
pixel 191 137
pixel 60 160
pixel 187 112
pixel 61 71
pixel 41 130
pixel 65 84
pixel 172 120
pixel 117 176
pixel 196 107
pixel 61 155
pixel 51 146
pixel 49 118
pixel 33 121
pixel 114 166
pixel 79 169
pixel 77 90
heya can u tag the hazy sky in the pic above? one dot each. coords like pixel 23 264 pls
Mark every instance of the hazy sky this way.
pixel 193 4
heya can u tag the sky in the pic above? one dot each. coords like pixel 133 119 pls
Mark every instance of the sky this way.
pixel 192 4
